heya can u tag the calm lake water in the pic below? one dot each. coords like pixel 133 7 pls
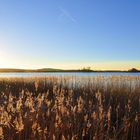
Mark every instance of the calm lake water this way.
pixel 37 74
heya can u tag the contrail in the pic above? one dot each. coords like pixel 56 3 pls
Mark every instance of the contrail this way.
pixel 67 14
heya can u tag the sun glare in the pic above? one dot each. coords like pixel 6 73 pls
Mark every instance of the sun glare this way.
pixel 5 60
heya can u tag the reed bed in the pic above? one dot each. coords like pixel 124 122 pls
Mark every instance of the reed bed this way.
pixel 70 108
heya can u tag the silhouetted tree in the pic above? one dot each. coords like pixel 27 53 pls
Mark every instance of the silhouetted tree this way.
pixel 133 70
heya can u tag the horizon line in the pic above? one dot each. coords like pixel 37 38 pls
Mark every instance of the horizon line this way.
pixel 59 69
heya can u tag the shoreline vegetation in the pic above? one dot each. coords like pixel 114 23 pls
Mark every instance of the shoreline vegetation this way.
pixel 62 70
pixel 56 108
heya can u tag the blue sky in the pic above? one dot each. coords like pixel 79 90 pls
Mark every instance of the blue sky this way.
pixel 103 34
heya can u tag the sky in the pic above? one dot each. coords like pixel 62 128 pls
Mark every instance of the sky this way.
pixel 70 34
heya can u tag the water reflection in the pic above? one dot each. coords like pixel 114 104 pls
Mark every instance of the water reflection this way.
pixel 41 74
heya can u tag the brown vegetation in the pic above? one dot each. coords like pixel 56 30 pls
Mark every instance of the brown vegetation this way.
pixel 70 108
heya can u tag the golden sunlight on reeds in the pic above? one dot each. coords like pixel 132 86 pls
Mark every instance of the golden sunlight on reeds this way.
pixel 70 108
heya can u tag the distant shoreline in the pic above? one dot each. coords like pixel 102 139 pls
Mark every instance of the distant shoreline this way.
pixel 50 70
